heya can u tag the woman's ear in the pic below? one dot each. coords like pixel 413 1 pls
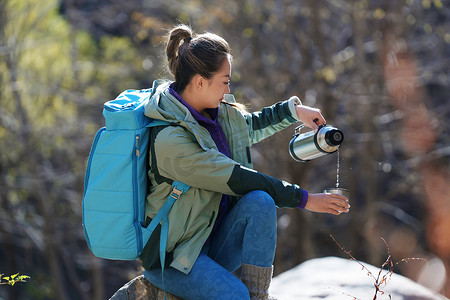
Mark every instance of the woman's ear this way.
pixel 198 81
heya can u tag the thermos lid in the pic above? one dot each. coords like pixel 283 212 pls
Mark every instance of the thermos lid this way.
pixel 334 137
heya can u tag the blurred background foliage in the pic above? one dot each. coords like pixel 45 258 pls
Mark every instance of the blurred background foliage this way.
pixel 379 70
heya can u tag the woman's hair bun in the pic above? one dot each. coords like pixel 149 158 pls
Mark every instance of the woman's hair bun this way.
pixel 176 36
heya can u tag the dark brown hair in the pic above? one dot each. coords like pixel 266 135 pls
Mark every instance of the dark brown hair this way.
pixel 189 55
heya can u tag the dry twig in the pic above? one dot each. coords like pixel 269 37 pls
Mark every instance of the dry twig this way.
pixel 380 281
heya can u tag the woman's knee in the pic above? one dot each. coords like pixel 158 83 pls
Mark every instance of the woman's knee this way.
pixel 261 199
pixel 260 205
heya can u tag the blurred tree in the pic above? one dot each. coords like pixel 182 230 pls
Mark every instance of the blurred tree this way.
pixel 53 83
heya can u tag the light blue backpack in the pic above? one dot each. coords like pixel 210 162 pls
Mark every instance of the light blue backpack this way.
pixel 115 184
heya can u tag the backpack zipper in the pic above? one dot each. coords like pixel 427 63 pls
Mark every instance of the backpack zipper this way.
pixel 138 153
pixel 135 196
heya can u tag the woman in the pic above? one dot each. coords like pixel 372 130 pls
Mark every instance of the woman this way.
pixel 227 219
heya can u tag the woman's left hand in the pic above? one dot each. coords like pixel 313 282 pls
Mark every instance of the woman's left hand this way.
pixel 327 203
pixel 308 114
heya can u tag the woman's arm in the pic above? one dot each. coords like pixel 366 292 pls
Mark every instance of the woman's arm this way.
pixel 176 156
pixel 272 119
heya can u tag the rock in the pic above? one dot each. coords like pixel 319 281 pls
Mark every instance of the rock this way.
pixel 140 288
pixel 333 278
pixel 329 278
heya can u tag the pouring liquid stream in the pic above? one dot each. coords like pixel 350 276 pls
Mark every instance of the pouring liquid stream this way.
pixel 337 170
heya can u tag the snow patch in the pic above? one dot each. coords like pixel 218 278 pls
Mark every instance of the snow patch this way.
pixel 334 278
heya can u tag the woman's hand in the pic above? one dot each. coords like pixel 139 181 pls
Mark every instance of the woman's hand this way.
pixel 308 114
pixel 327 203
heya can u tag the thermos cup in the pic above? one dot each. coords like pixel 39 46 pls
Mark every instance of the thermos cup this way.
pixel 339 191
pixel 309 145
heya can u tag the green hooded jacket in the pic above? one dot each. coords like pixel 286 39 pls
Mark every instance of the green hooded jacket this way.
pixel 187 153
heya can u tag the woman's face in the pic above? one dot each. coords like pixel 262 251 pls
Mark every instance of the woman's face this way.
pixel 218 85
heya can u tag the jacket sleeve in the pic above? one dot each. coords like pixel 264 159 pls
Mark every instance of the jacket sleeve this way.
pixel 271 119
pixel 285 194
pixel 179 157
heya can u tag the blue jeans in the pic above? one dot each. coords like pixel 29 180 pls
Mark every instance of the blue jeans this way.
pixel 246 235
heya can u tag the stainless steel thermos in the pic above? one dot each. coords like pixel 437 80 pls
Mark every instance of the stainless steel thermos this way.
pixel 310 145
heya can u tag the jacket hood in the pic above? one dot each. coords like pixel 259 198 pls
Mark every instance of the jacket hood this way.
pixel 164 106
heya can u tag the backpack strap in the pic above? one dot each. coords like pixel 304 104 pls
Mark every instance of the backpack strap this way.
pixel 162 216
pixel 178 188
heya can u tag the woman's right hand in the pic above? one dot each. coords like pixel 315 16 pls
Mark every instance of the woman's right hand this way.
pixel 308 114
pixel 327 203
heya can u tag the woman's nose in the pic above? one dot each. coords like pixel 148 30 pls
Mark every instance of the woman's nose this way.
pixel 227 89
